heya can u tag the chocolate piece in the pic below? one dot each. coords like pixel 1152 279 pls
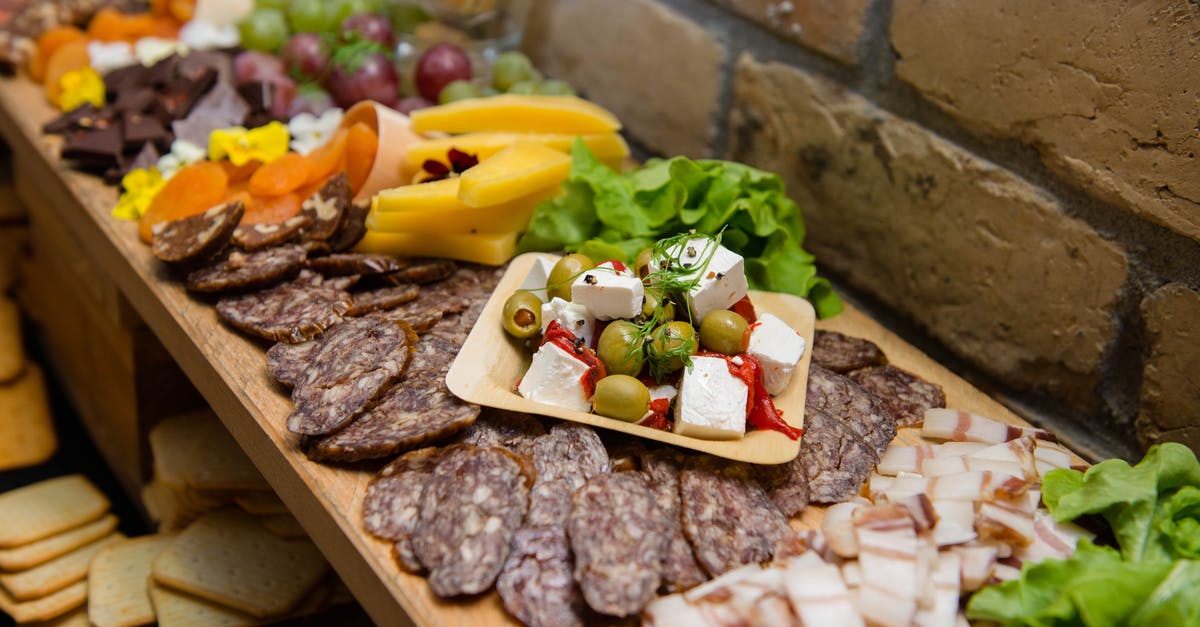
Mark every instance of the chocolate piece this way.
pixel 141 129
pixel 135 100
pixel 327 208
pixel 259 95
pixel 256 236
pixel 70 120
pixel 99 148
pixel 198 237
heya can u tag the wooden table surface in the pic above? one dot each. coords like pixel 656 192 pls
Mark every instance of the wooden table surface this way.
pixel 229 370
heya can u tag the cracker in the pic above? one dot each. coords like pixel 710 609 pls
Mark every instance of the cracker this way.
pixel 284 526
pixel 37 553
pixel 260 503
pixel 166 507
pixel 179 609
pixel 48 507
pixel 228 557
pixel 47 607
pixel 76 618
pixel 118 579
pixel 196 450
pixel 54 575
pixel 12 355
pixel 26 425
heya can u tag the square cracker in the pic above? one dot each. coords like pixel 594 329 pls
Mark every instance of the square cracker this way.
pixel 260 503
pixel 196 450
pixel 174 608
pixel 228 557
pixel 76 618
pixel 48 507
pixel 118 582
pixel 47 607
pixel 26 425
pixel 36 553
pixel 54 575
pixel 12 355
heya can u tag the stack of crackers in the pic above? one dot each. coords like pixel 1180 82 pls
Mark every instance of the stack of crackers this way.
pixel 26 427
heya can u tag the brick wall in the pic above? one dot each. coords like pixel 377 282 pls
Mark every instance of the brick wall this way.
pixel 1014 183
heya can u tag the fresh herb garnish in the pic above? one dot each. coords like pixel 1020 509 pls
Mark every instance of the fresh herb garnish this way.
pixel 350 57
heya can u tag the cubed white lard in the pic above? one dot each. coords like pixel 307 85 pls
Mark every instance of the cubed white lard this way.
pixel 777 348
pixel 712 401
pixel 608 293
pixel 723 282
pixel 572 316
pixel 555 378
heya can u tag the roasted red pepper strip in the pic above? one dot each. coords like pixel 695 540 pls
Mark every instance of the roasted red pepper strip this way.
pixel 559 336
pixel 761 412
pixel 745 309
pixel 658 416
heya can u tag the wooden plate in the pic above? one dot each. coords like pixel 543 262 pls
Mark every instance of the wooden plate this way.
pixel 491 362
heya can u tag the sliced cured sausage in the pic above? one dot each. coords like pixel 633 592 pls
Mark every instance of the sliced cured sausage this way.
pixel 423 271
pixel 257 236
pixel 619 538
pixel 392 504
pixel 787 485
pixel 536 584
pixel 836 459
pixel 570 451
pixel 327 208
pixel 906 394
pixel 345 264
pixel 842 353
pixel 847 401
pixel 472 506
pixel 515 431
pixel 241 271
pixel 383 298
pixel 296 311
pixel 680 568
pixel 287 362
pixel 196 238
pixel 354 226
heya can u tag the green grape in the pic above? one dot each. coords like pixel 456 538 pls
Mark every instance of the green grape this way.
pixel 511 68
pixel 264 29
pixel 308 16
pixel 458 90
pixel 282 5
pixel 554 87
pixel 338 10
pixel 406 17
pixel 523 88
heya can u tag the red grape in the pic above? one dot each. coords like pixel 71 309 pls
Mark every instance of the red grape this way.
pixel 441 65
pixel 370 27
pixel 412 103
pixel 285 93
pixel 305 54
pixel 373 78
pixel 253 65
pixel 310 99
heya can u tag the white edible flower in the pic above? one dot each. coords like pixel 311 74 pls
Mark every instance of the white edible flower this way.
pixel 222 12
pixel 310 132
pixel 201 35
pixel 183 153
pixel 106 57
pixel 151 50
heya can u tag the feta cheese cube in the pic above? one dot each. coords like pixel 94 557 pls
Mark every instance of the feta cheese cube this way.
pixel 555 377
pixel 712 401
pixel 572 316
pixel 777 348
pixel 608 293
pixel 723 282
pixel 668 392
pixel 539 274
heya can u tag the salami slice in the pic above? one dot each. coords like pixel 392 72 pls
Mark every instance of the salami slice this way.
pixel 241 271
pixel 619 538
pixel 421 321
pixel 417 410
pixel 836 459
pixel 570 451
pixel 514 431
pixel 847 401
pixel 196 238
pixel 423 271
pixel 843 353
pixel 345 264
pixel 288 362
pixel 296 311
pixel 353 227
pixel 327 208
pixel 536 584
pixel 392 504
pixel 680 568
pixel 906 394
pixel 354 361
pixel 383 298
pixel 469 285
pixel 473 503
pixel 258 236
pixel 727 516
pixel 787 485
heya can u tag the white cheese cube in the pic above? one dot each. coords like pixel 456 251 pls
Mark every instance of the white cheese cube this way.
pixel 608 293
pixel 572 316
pixel 555 377
pixel 712 401
pixel 539 274
pixel 663 391
pixel 777 348
pixel 723 282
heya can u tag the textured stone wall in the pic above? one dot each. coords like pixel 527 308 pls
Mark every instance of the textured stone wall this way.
pixel 1014 182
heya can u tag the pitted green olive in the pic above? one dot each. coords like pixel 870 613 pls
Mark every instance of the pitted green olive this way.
pixel 622 397
pixel 522 314
pixel 620 348
pixel 641 265
pixel 563 273
pixel 723 331
pixel 669 344
pixel 652 301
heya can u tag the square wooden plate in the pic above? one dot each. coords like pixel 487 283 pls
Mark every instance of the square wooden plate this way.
pixel 491 362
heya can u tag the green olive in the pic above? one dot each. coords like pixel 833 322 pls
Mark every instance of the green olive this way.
pixel 522 316
pixel 622 397
pixel 641 266
pixel 652 302
pixel 670 343
pixel 620 348
pixel 723 331
pixel 563 274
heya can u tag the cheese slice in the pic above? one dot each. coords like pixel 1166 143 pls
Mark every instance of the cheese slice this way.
pixel 505 217
pixel 609 148
pixel 490 249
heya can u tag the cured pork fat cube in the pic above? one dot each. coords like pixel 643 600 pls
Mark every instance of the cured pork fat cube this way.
pixel 777 348
pixel 609 293
pixel 555 377
pixel 712 401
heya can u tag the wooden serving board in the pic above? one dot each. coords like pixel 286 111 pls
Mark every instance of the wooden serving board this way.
pixel 229 370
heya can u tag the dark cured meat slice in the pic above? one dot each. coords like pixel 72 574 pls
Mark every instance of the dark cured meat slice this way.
pixel 241 271
pixel 836 459
pixel 353 227
pixel 287 362
pixel 472 506
pixel 727 516
pixel 354 362
pixel 550 504
pixel 843 353
pixel 383 298
pixel 327 208
pixel 619 538
pixel 258 236
pixel 570 451
pixel 196 238
pixel 423 271
pixel 344 264
pixel 469 285
pixel 416 410
pixel 536 584
pixel 514 431
pixel 847 401
pixel 680 569
pixel 296 311
pixel 787 485
pixel 392 504
pixel 906 394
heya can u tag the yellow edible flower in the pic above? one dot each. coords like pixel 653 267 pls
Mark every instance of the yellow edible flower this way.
pixel 265 144
pixel 79 87
pixel 141 186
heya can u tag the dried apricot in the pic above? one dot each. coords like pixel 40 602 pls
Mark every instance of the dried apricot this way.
pixel 240 173
pixel 280 176
pixel 108 24
pixel 327 158
pixel 70 56
pixel 47 44
pixel 182 10
pixel 272 209
pixel 361 145
pixel 191 191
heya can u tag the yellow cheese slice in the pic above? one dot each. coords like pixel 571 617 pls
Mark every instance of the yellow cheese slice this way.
pixel 510 216
pixel 488 249
pixel 609 148
pixel 516 171
pixel 518 114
